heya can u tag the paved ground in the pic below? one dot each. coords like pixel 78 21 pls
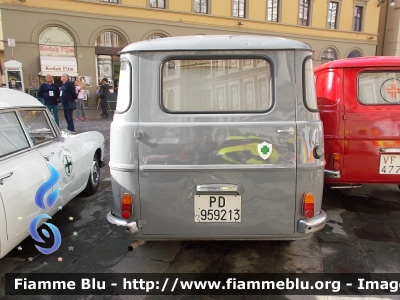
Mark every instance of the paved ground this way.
pixel 362 235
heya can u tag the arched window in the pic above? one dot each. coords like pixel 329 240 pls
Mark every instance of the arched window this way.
pixel 328 55
pixel 110 39
pixel 354 53
pixel 156 36
pixel 107 46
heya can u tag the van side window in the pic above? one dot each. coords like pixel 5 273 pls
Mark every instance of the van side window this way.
pixel 124 87
pixel 216 85
pixel 379 87
pixel 309 95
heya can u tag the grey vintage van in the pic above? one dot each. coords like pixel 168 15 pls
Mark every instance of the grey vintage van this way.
pixel 217 137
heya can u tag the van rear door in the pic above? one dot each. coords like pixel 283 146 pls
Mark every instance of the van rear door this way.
pixel 217 143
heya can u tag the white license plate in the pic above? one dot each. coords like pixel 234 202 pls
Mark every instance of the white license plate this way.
pixel 389 164
pixel 218 208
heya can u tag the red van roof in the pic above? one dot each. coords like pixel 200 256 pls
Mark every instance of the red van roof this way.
pixel 369 61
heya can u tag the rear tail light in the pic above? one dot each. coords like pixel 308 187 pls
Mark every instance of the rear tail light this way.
pixel 336 163
pixel 308 205
pixel 126 207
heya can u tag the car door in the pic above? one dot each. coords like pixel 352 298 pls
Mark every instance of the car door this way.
pixel 22 172
pixel 217 143
pixel 62 154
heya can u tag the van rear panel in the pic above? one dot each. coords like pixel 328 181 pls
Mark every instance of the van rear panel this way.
pixel 216 145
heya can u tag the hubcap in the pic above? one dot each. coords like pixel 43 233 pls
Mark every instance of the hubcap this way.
pixel 94 173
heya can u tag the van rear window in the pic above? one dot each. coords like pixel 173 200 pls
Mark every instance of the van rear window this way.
pixel 379 87
pixel 216 85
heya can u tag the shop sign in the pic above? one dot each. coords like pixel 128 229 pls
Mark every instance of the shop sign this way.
pixel 45 50
pixel 59 68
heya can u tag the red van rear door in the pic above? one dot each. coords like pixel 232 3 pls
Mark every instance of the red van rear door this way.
pixel 372 125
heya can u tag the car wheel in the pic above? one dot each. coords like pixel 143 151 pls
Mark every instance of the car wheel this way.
pixel 94 178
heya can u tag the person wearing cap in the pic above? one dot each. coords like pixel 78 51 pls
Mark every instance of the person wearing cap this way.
pixel 68 94
pixel 102 95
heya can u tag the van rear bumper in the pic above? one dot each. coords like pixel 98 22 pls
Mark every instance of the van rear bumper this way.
pixel 312 224
pixel 118 224
pixel 129 228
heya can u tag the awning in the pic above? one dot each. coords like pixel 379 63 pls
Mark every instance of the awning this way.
pixel 58 65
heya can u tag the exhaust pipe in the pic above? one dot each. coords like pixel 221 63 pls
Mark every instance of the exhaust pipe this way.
pixel 133 246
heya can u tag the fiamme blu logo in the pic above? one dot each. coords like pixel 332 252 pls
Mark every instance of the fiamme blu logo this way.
pixel 45 205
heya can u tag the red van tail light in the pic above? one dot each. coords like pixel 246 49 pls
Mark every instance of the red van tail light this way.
pixel 336 163
pixel 308 205
pixel 126 207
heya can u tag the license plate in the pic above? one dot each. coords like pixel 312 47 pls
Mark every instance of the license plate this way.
pixel 218 208
pixel 389 164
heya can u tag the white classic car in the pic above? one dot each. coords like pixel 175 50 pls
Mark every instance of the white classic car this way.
pixel 41 169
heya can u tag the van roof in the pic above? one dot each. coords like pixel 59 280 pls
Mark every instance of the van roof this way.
pixel 216 42
pixel 368 61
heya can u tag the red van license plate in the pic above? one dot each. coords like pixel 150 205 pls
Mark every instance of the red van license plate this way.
pixel 389 164
pixel 218 208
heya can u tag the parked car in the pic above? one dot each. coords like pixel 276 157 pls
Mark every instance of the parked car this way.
pixel 41 167
pixel 217 137
pixel 359 104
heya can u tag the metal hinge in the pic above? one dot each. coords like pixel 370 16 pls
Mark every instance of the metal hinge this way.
pixel 139 134
pixel 141 223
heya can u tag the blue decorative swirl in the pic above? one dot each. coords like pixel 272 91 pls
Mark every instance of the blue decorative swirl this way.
pixel 42 190
pixel 35 235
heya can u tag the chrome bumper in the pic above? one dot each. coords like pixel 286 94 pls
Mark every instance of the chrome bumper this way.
pixel 313 224
pixel 332 174
pixel 304 226
pixel 129 226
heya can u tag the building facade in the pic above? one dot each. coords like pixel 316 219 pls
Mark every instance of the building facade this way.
pixel 83 37
pixel 389 29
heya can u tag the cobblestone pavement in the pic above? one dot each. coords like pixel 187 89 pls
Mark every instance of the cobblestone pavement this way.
pixel 362 236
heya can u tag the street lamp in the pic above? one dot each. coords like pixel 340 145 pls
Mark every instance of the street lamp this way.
pixel 392 2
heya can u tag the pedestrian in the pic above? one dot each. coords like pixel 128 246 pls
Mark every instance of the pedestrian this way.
pixel 50 93
pixel 68 95
pixel 102 95
pixel 80 84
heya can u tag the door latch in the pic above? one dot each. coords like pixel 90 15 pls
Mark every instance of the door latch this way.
pixel 139 134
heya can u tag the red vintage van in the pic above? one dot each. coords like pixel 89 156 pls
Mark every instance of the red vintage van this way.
pixel 359 104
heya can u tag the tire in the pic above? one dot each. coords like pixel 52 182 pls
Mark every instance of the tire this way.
pixel 94 178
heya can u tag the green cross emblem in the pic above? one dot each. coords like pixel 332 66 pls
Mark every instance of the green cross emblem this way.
pixel 265 150
pixel 67 164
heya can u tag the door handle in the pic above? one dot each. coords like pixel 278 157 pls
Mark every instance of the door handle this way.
pixel 290 130
pixel 47 156
pixel 2 177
